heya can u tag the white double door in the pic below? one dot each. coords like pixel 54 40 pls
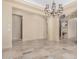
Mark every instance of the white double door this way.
pixel 16 27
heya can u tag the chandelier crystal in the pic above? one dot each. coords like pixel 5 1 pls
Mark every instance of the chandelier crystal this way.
pixel 53 10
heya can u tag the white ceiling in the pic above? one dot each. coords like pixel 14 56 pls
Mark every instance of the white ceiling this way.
pixel 44 2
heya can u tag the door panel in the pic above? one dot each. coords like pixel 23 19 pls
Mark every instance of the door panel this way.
pixel 16 27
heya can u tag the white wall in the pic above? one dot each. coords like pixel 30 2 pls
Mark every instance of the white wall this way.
pixel 50 28
pixel 72 28
pixel 33 25
pixel 6 25
pixel 53 28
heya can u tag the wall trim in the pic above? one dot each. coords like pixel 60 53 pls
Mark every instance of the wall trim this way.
pixel 26 7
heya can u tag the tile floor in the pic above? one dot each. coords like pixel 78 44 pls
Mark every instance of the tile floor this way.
pixel 42 49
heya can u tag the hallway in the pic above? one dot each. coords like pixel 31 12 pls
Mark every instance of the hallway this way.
pixel 39 31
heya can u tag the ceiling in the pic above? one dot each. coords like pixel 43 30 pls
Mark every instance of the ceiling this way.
pixel 44 2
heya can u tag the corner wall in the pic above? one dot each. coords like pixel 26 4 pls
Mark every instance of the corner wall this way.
pixel 7 23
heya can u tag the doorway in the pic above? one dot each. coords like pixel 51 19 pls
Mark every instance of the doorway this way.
pixel 63 27
pixel 16 27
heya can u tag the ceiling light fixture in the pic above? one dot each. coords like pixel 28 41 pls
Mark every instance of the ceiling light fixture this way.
pixel 53 10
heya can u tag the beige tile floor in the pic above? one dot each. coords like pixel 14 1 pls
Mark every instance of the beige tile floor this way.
pixel 42 49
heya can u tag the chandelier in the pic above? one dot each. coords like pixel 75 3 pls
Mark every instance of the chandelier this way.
pixel 54 11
